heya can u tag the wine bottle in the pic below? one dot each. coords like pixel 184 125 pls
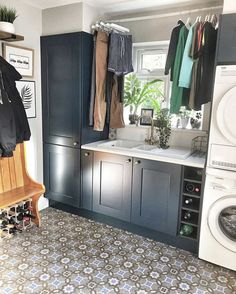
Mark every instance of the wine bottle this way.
pixel 187 215
pixel 186 230
pixel 188 201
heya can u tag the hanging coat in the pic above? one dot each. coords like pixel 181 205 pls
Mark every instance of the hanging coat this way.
pixel 179 95
pixel 170 60
pixel 12 110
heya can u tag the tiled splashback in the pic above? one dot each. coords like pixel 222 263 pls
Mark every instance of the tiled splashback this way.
pixel 179 137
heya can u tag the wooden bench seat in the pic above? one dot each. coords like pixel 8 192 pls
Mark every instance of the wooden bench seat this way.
pixel 16 184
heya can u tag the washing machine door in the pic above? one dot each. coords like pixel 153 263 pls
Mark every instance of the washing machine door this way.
pixel 222 221
pixel 226 118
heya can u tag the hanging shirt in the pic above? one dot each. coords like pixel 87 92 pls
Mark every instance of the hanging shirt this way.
pixel 170 60
pixel 187 63
pixel 179 97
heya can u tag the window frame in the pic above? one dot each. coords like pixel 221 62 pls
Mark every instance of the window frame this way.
pixel 150 47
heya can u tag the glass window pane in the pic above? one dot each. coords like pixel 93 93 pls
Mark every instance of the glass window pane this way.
pixel 153 61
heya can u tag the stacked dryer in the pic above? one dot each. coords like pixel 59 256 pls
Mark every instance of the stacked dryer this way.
pixel 218 225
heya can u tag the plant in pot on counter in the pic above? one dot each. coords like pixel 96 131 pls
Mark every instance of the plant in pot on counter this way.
pixel 7 17
pixel 184 117
pixel 135 94
pixel 163 127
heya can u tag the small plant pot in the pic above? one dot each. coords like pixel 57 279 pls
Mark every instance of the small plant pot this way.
pixel 195 123
pixel 132 119
pixel 7 27
pixel 184 122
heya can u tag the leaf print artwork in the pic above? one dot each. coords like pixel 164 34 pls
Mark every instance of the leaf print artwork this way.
pixel 26 96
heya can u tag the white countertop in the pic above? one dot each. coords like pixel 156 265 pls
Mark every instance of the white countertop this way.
pixel 189 161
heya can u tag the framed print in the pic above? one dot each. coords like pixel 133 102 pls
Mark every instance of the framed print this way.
pixel 21 58
pixel 26 90
pixel 146 115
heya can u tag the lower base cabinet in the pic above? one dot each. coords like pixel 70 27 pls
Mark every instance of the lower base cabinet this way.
pixel 112 178
pixel 140 191
pixel 155 195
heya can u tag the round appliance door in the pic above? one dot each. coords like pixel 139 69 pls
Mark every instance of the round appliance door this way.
pixel 222 221
pixel 226 118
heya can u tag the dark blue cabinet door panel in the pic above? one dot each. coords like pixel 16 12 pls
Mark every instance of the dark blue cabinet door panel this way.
pixel 62 174
pixel 155 195
pixel 112 185
pixel 61 88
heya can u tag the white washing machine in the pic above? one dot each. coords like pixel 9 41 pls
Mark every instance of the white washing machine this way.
pixel 222 139
pixel 218 225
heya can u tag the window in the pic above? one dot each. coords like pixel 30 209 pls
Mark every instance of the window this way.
pixel 149 61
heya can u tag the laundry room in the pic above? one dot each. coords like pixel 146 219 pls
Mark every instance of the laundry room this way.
pixel 117 146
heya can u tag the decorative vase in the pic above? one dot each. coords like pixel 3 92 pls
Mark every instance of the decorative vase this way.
pixel 184 122
pixel 7 27
pixel 195 123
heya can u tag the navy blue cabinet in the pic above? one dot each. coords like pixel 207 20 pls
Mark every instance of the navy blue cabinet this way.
pixel 62 174
pixel 66 80
pixel 155 195
pixel 112 178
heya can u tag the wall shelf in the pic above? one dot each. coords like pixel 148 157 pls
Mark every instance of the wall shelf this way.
pixel 4 36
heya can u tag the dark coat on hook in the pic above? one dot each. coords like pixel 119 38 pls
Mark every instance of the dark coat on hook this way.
pixel 14 127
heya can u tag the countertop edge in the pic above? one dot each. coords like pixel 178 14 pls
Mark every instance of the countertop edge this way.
pixel 190 161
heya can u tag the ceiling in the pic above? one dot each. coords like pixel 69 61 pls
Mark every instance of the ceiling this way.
pixel 122 5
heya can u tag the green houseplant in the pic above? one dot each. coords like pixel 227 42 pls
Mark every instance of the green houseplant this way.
pixel 163 127
pixel 7 17
pixel 135 94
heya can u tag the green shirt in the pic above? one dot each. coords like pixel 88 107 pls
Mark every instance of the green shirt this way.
pixel 179 97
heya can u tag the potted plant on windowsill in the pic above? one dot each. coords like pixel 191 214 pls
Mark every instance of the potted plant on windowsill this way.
pixel 135 94
pixel 7 17
pixel 163 127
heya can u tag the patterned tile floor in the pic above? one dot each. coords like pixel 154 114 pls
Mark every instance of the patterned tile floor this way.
pixel 71 254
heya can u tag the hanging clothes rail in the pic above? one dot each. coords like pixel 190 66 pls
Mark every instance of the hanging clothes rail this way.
pixel 109 27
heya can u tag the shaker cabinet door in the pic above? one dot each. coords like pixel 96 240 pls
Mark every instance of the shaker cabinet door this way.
pixel 155 195
pixel 112 185
pixel 62 174
pixel 61 80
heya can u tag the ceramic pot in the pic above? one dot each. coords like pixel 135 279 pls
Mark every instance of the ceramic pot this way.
pixel 7 27
pixel 184 122
pixel 132 119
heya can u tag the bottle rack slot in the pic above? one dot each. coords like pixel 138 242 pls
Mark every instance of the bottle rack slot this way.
pixel 189 217
pixel 15 218
pixel 190 203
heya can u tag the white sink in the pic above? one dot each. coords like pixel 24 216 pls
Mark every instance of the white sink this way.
pixel 145 147
pixel 173 152
pixel 120 144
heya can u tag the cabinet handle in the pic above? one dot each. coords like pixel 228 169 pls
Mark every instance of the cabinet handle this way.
pixel 128 160
pixel 86 154
pixel 137 162
pixel 75 143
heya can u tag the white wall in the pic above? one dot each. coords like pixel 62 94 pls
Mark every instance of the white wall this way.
pixel 229 6
pixel 70 18
pixel 63 19
pixel 29 24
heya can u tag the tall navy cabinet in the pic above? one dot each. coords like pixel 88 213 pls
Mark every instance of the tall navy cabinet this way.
pixel 66 79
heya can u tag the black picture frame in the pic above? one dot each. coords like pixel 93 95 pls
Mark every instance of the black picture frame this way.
pixel 146 113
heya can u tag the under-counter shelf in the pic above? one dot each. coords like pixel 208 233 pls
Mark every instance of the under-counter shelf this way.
pixel 4 36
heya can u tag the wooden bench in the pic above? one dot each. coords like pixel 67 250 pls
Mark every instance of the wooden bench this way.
pixel 16 184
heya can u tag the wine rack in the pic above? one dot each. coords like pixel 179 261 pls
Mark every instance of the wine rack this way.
pixel 15 218
pixel 190 203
